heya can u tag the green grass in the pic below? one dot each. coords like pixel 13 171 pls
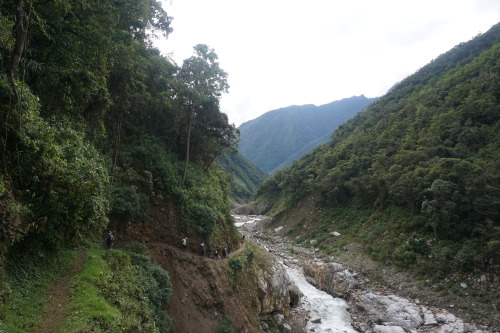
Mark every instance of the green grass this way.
pixel 116 291
pixel 28 280
pixel 87 303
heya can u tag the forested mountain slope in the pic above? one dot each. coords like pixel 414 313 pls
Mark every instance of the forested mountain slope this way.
pixel 98 129
pixel 278 137
pixel 414 177
pixel 246 176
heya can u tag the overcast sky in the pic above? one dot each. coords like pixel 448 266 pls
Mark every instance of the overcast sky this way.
pixel 288 52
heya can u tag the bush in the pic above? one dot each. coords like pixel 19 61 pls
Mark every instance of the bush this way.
pixel 225 325
pixel 203 218
pixel 236 266
pixel 126 202
pixel 120 289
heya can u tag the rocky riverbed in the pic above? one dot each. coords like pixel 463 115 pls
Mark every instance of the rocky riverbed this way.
pixel 372 308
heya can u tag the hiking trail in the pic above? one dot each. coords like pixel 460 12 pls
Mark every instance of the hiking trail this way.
pixel 55 312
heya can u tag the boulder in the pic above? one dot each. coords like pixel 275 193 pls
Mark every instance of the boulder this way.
pixel 391 310
pixel 276 292
pixel 332 278
pixel 387 329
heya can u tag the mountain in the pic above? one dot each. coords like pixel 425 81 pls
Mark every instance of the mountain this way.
pixel 277 138
pixel 246 176
pixel 414 177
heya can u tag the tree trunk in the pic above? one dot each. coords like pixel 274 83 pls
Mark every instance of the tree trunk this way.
pixel 21 32
pixel 188 141
pixel 116 146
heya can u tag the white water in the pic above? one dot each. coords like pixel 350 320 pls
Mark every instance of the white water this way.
pixel 332 311
pixel 244 219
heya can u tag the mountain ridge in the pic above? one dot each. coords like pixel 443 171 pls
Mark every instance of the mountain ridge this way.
pixel 270 140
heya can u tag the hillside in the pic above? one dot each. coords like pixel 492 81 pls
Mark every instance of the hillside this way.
pixel 98 130
pixel 413 178
pixel 275 139
pixel 246 176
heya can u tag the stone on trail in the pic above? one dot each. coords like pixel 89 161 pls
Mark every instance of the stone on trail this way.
pixel 316 320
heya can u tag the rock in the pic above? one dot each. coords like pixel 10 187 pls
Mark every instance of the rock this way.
pixel 316 320
pixel 387 329
pixel 275 290
pixel 264 326
pixel 392 310
pixel 278 229
pixel 286 328
pixel 463 285
pixel 295 295
pixel 429 318
pixel 335 233
pixel 313 241
pixel 332 278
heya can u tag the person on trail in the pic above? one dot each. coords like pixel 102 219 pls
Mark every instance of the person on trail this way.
pixel 242 239
pixel 216 253
pixel 110 238
pixel 210 251
pixel 184 243
pixel 202 249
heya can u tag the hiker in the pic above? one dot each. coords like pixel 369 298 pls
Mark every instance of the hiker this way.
pixel 216 253
pixel 242 239
pixel 202 249
pixel 184 243
pixel 109 240
pixel 210 251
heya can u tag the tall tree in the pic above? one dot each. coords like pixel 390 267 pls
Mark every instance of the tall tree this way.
pixel 201 81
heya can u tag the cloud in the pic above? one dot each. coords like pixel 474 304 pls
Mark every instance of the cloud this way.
pixel 284 52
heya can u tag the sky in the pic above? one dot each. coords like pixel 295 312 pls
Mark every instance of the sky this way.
pixel 279 53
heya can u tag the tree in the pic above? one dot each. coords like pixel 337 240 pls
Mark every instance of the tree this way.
pixel 201 83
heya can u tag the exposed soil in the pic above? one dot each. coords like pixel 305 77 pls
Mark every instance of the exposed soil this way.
pixel 203 294
pixel 59 297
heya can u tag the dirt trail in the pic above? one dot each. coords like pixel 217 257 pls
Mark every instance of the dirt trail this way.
pixel 191 253
pixel 59 297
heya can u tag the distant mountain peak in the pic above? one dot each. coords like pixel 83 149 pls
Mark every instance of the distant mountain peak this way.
pixel 280 136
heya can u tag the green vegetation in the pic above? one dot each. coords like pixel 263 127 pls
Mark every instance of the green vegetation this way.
pixel 119 291
pixel 236 266
pixel 29 279
pixel 415 176
pixel 116 291
pixel 279 137
pixel 225 325
pixel 97 127
pixel 246 176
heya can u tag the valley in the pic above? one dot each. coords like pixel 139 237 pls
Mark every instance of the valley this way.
pixel 379 297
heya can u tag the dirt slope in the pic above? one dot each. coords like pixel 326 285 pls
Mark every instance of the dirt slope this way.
pixel 203 293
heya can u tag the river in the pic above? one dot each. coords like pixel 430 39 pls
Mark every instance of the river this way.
pixel 328 314
pixel 369 309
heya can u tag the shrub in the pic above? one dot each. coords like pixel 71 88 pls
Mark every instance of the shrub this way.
pixel 203 218
pixel 236 266
pixel 225 325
